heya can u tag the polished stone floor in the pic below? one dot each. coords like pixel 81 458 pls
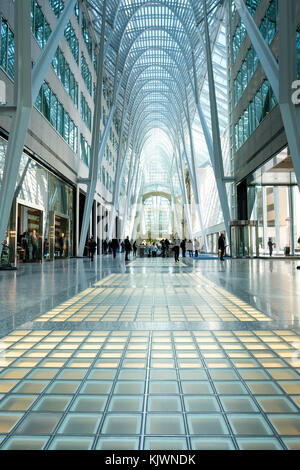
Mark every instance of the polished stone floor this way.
pixel 150 355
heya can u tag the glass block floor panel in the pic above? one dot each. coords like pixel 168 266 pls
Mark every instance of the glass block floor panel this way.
pixel 135 362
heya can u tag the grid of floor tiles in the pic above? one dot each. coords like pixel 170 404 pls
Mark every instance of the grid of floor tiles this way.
pixel 150 390
pixel 154 297
pixel 156 262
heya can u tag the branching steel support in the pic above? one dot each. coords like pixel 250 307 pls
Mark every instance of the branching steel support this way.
pixel 195 186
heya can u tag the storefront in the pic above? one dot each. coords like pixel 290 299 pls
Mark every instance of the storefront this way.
pixel 41 215
pixel 273 200
pixel 29 233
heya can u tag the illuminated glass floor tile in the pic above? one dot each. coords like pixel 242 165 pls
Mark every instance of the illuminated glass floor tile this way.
pixel 238 404
pixel 80 423
pixel 164 403
pixel 292 444
pixel 218 443
pixel 207 424
pixel 8 420
pixel 201 404
pixel 249 424
pixel 53 403
pixel 124 403
pixel 259 444
pixel 288 425
pixel 166 443
pixel 71 443
pixel 25 443
pixel 121 424
pixel 168 424
pixel 17 402
pixel 39 423
pixel 117 443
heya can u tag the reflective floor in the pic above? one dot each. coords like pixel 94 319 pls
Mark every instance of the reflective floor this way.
pixel 150 355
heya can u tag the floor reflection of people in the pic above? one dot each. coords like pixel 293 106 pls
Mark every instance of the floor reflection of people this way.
pixel 34 243
pixel 25 244
pixel 62 244
pixel 46 248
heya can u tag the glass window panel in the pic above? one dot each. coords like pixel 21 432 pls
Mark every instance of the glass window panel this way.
pixel 4 37
pixel 10 53
pixel 67 79
pixel 258 108
pixel 53 110
pixel 265 92
pixel 38 24
pixel 60 118
pixel 46 101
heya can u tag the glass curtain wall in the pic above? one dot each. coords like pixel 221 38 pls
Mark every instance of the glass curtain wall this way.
pixel 46 203
pixel 274 201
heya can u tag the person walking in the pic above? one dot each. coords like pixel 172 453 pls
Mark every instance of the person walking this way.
pixel 154 250
pixel 189 247
pixel 270 245
pixel 167 245
pixel 134 248
pixel 114 246
pixel 163 249
pixel 183 247
pixel 92 247
pixel 176 243
pixel 127 247
pixel 221 246
pixel 197 246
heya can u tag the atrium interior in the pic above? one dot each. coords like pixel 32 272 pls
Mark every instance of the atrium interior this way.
pixel 133 132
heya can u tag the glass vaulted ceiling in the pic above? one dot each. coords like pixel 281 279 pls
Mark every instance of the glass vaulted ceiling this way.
pixel 149 47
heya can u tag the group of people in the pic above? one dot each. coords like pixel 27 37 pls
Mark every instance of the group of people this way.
pixel 192 247
pixel 29 241
pixel 115 245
